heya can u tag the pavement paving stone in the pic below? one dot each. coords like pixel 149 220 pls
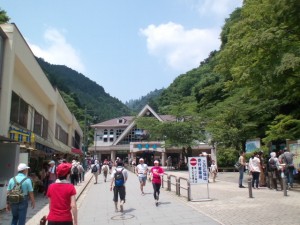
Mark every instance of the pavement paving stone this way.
pixel 229 204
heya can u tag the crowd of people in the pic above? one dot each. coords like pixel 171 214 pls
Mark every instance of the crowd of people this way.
pixel 269 172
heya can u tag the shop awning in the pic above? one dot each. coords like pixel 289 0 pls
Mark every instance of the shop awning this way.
pixel 77 151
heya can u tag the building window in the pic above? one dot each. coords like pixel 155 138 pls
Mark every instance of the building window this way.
pixel 111 135
pixel 61 135
pixel 118 133
pixel 19 110
pixel 37 126
pixel 45 128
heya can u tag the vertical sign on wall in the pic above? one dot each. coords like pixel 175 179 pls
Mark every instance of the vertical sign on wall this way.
pixel 198 170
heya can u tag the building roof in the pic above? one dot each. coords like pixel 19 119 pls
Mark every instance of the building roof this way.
pixel 126 120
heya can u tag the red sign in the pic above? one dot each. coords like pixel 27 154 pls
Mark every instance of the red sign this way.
pixel 193 162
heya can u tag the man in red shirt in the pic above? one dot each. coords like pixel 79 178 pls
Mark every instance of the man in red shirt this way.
pixel 62 201
pixel 156 173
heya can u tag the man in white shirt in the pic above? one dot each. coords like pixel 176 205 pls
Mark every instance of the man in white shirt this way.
pixel 141 171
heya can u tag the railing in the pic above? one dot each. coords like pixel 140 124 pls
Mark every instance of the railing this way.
pixel 177 184
pixel 172 182
pixel 187 188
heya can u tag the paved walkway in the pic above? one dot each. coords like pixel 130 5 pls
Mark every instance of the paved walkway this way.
pixel 41 207
pixel 97 207
pixel 229 204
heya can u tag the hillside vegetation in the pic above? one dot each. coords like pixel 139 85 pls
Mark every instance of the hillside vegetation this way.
pixel 250 88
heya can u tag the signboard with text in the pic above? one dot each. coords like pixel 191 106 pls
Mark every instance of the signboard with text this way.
pixel 198 171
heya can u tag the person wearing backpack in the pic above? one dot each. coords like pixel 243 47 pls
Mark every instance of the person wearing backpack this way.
pixel 94 170
pixel 19 208
pixel 74 173
pixel 119 177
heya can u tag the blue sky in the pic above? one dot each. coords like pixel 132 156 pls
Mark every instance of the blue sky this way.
pixel 129 47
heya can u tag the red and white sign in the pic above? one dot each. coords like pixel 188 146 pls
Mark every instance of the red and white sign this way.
pixel 198 170
pixel 193 162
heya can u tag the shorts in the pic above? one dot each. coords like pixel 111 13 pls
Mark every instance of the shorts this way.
pixel 142 179
pixel 119 191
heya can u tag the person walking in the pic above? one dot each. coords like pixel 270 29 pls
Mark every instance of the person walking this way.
pixel 80 173
pixel 119 177
pixel 242 163
pixel 19 210
pixel 51 173
pixel 62 198
pixel 255 168
pixel 74 173
pixel 105 170
pixel 141 171
pixel 156 173
pixel 95 170
pixel 214 170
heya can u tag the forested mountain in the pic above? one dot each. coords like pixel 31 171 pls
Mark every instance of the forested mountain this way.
pixel 250 88
pixel 138 104
pixel 80 93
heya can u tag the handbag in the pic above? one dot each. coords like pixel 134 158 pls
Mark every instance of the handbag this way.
pixel 43 220
pixel 237 165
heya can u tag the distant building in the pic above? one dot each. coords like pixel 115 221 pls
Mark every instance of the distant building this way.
pixel 120 137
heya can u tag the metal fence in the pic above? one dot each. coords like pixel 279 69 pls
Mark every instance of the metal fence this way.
pixel 173 183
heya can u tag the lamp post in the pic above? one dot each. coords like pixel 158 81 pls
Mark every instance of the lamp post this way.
pixel 86 131
pixel 95 143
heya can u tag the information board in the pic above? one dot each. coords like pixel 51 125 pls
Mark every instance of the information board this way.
pixel 198 171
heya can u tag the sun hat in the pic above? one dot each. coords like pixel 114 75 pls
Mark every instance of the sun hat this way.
pixel 51 162
pixel 22 166
pixel 63 169
pixel 156 161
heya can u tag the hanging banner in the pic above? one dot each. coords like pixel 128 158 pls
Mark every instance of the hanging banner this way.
pixel 198 171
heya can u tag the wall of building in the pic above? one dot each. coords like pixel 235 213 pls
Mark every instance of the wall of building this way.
pixel 22 74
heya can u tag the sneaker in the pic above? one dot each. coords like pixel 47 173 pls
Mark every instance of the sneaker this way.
pixel 143 193
pixel 156 202
pixel 241 186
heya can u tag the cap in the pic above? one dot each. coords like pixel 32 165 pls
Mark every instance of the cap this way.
pixel 22 166
pixel 156 161
pixel 141 159
pixel 63 169
pixel 51 162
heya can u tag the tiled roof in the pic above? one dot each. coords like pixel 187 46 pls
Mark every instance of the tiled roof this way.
pixel 115 122
pixel 127 120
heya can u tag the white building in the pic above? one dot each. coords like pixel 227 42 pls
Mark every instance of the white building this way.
pixel 119 137
pixel 35 123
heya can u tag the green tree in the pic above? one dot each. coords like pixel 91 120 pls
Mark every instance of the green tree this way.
pixel 3 16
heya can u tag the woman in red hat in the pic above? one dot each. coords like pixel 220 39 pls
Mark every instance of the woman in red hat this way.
pixel 62 201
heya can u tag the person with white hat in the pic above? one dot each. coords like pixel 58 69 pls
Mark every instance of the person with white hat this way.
pixel 19 210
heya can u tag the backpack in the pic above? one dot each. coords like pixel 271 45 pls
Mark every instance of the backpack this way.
pixel 272 165
pixel 119 178
pixel 94 169
pixel 105 168
pixel 16 194
pixel 75 170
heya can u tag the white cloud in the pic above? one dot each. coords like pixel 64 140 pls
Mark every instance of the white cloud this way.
pixel 220 8
pixel 179 48
pixel 58 51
